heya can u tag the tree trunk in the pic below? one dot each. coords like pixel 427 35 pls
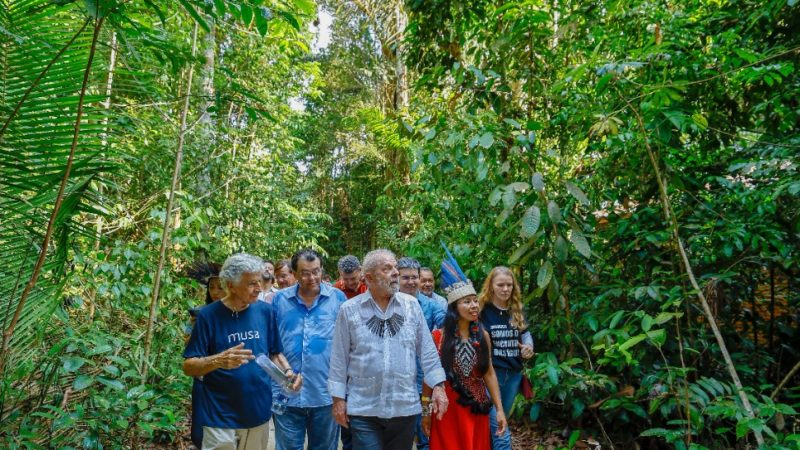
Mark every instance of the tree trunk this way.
pixel 112 62
pixel 672 222
pixel 176 175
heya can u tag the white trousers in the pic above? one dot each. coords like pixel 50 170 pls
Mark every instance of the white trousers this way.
pixel 255 438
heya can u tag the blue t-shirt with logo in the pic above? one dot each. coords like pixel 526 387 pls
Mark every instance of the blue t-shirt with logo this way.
pixel 241 397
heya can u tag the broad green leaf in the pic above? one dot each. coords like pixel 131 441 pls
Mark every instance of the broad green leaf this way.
pixel 307 7
pixel 580 243
pixel 519 252
pixel 192 12
pixel 509 198
pixel 633 341
pixel 560 248
pixel 534 413
pixel 615 319
pixel 530 222
pixel 647 322
pixel 545 274
pixel 487 139
pixel 552 375
pixel 537 181
pixel 82 382
pixel 657 336
pixel 73 363
pixel 554 211
pixel 495 196
pixel 577 193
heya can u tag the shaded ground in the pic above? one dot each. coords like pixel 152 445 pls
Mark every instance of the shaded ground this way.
pixel 524 436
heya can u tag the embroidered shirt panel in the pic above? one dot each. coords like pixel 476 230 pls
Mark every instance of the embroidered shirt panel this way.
pixel 375 355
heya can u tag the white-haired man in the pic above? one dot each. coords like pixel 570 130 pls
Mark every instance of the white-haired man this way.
pixel 379 336
pixel 226 337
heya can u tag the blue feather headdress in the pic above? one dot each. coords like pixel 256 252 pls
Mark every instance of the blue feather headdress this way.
pixel 455 284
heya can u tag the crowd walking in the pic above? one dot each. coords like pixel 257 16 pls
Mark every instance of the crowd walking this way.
pixel 376 359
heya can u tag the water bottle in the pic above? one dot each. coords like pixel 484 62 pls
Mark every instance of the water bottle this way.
pixel 277 375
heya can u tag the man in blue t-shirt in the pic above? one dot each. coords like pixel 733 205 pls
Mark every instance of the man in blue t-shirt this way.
pixel 227 336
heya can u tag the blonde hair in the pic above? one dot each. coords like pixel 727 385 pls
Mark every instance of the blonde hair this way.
pixel 514 302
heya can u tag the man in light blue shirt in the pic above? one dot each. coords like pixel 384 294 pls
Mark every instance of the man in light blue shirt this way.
pixel 380 335
pixel 306 314
pixel 426 285
pixel 409 269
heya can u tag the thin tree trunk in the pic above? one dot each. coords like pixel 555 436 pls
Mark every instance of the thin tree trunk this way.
pixel 771 307
pixel 687 265
pixel 112 62
pixel 176 175
pixel 9 332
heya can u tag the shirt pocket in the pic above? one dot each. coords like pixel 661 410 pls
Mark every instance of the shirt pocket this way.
pixel 363 388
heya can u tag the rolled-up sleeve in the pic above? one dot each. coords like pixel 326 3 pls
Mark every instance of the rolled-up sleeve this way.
pixel 340 357
pixel 428 355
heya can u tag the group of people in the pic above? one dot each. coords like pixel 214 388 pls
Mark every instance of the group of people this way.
pixel 377 359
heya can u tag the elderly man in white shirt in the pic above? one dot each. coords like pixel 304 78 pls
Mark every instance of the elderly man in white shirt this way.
pixel 379 336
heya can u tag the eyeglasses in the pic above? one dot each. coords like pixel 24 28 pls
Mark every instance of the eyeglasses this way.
pixel 409 278
pixel 310 273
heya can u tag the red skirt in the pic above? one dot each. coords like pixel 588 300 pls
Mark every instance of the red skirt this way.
pixel 460 428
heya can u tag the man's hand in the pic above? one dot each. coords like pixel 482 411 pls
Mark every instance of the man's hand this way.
pixel 340 412
pixel 234 357
pixel 526 351
pixel 438 402
pixel 297 383
pixel 502 423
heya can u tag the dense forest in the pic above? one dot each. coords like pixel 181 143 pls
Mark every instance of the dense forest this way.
pixel 636 163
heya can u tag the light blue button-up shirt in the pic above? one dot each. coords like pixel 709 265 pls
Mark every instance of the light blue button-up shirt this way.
pixel 441 301
pixel 434 314
pixel 374 358
pixel 306 335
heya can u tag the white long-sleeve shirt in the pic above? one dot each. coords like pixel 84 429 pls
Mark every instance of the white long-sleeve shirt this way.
pixel 374 357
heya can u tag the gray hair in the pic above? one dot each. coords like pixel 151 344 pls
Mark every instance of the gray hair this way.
pixel 374 258
pixel 237 265
pixel 408 263
pixel 348 264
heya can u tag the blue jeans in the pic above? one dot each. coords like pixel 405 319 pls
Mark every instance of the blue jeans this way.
pixel 374 433
pixel 422 440
pixel 509 381
pixel 291 427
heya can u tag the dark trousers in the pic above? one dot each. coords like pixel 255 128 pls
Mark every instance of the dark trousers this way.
pixel 374 433
pixel 347 439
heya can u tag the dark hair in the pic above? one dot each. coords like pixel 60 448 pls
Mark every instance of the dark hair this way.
pixel 449 343
pixel 269 261
pixel 348 264
pixel 306 254
pixel 408 263
pixel 283 263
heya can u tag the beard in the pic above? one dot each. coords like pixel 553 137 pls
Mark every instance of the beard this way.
pixel 390 286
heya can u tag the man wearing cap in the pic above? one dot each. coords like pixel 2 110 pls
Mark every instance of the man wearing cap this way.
pixel 379 336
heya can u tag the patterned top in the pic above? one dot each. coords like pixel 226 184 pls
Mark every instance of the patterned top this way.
pixel 465 378
pixel 374 357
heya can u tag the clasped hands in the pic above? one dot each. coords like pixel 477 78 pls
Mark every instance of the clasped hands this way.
pixel 438 407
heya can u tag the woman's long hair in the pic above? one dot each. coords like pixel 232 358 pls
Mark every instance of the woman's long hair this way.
pixel 449 343
pixel 514 302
